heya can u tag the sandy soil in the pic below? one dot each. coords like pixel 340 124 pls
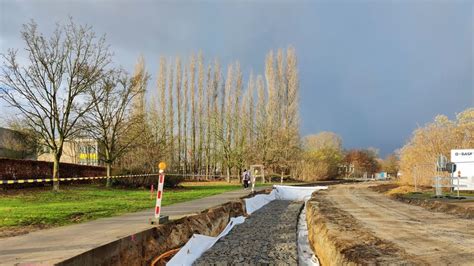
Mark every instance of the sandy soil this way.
pixel 462 208
pixel 434 238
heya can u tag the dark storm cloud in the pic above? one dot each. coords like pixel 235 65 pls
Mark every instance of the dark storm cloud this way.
pixel 370 71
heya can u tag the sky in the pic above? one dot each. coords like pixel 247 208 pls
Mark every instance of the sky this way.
pixel 370 71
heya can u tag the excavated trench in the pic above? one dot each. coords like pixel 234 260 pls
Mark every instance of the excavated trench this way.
pixel 144 247
pixel 269 235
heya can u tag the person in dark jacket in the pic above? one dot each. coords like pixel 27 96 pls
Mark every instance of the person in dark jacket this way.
pixel 246 178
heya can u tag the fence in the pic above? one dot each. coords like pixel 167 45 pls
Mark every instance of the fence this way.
pixel 136 179
pixel 428 175
pixel 27 173
pixel 40 180
pixel 12 169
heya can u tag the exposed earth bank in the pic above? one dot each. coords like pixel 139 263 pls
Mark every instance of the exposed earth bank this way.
pixel 351 224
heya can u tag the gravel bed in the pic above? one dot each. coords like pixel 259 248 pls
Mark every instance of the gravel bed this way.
pixel 268 236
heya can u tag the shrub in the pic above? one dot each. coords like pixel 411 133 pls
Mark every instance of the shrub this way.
pixel 173 181
pixel 147 181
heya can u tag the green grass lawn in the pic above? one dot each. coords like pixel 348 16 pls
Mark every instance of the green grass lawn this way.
pixel 75 204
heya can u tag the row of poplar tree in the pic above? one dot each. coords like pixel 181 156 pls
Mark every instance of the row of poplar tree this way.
pixel 206 120
pixel 201 118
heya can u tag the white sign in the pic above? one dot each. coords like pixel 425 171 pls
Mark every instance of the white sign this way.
pixel 464 160
pixel 462 156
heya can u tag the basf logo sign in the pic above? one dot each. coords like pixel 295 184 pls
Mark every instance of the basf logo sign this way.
pixel 464 160
pixel 462 156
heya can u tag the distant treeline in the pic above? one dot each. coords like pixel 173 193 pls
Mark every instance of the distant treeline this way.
pixel 418 157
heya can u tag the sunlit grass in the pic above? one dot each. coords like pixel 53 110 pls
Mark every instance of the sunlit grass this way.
pixel 82 203
pixel 75 204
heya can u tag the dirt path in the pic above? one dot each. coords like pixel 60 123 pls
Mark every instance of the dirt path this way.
pixel 435 238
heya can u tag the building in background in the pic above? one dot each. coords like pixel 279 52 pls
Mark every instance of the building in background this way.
pixel 78 151
pixel 15 145
pixel 346 169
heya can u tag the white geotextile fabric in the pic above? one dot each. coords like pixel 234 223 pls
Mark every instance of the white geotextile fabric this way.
pixel 296 193
pixel 280 193
pixel 198 244
pixel 306 256
pixel 256 202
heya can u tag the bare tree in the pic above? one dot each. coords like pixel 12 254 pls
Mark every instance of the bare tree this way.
pixel 157 120
pixel 185 120
pixel 261 121
pixel 281 88
pixel 110 121
pixel 209 95
pixel 170 120
pixel 236 113
pixel 179 103
pixel 192 70
pixel 214 117
pixel 138 157
pixel 140 79
pixel 272 103
pixel 291 135
pixel 162 93
pixel 251 109
pixel 50 92
pixel 200 111
pixel 292 95
pixel 227 126
pixel 222 121
pixel 242 139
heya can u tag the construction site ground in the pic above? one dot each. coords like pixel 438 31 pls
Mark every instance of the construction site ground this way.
pixel 424 235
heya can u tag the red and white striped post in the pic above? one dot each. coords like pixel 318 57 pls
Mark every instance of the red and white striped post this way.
pixel 159 191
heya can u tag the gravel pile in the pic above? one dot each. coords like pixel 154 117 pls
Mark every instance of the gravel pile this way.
pixel 268 236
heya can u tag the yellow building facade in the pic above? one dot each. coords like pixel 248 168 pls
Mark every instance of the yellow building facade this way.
pixel 77 151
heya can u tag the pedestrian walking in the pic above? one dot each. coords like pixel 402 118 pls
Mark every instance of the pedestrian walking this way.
pixel 246 178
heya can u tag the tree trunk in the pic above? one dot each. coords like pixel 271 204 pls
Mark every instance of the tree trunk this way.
pixel 109 168
pixel 228 174
pixel 56 173
pixel 281 180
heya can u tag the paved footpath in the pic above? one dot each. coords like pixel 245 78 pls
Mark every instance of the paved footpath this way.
pixel 57 244
pixel 268 237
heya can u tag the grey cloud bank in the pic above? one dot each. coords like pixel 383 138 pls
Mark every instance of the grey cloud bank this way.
pixel 370 71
